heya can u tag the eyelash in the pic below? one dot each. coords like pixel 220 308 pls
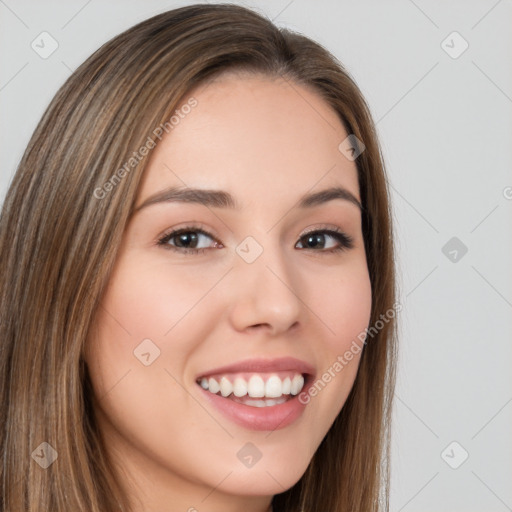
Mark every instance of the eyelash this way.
pixel 346 242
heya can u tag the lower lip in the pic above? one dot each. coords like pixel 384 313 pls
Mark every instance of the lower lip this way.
pixel 269 418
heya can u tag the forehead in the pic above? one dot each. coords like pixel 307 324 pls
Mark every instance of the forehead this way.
pixel 255 136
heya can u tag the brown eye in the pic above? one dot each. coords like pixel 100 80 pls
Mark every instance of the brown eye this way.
pixel 188 239
pixel 326 240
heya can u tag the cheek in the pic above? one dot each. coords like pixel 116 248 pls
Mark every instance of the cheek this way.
pixel 142 305
pixel 148 309
pixel 345 307
pixel 150 301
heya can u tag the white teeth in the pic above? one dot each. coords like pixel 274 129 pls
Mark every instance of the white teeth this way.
pixel 274 401
pixel 273 387
pixel 267 402
pixel 226 388
pixel 213 385
pixel 287 386
pixel 256 387
pixel 239 387
pixel 256 403
pixel 297 384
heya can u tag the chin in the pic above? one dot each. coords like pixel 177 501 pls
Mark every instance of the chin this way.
pixel 263 483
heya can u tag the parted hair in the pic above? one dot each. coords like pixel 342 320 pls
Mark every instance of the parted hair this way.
pixel 59 241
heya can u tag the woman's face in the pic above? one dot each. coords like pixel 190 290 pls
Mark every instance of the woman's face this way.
pixel 249 290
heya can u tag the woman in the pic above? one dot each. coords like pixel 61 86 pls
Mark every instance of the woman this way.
pixel 197 281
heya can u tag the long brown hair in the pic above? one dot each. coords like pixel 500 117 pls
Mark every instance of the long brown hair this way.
pixel 61 227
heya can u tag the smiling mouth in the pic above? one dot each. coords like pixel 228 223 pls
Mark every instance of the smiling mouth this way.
pixel 255 389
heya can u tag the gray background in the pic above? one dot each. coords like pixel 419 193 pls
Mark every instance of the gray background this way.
pixel 446 130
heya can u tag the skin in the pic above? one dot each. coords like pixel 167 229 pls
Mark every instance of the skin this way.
pixel 267 142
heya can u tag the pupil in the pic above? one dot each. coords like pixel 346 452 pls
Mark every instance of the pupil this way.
pixel 315 240
pixel 186 238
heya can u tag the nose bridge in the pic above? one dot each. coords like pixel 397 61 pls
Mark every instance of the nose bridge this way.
pixel 266 289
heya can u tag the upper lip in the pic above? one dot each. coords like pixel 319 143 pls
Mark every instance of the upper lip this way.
pixel 263 365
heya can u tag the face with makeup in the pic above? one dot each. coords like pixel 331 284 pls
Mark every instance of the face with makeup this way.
pixel 250 287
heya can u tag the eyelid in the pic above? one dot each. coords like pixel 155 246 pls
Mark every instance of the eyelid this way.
pixel 321 227
pixel 326 227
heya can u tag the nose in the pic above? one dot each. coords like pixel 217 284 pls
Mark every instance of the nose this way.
pixel 266 294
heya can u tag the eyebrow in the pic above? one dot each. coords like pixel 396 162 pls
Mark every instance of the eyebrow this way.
pixel 222 199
